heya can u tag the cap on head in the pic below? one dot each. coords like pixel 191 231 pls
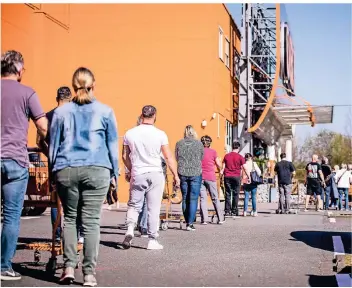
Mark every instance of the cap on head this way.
pixel 63 93
pixel 148 111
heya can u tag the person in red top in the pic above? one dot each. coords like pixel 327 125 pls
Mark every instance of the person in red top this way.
pixel 232 167
pixel 210 160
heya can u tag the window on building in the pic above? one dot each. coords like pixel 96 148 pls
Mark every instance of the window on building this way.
pixel 227 53
pixel 221 44
pixel 236 64
pixel 229 136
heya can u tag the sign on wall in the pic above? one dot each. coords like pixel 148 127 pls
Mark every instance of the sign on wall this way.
pixel 287 70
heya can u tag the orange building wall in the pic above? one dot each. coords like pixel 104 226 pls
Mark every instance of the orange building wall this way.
pixel 160 54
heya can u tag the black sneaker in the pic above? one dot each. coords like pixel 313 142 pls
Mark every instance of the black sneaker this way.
pixel 9 275
pixel 190 228
pixel 127 241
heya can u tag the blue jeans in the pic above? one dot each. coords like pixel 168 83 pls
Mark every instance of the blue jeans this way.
pixel 341 192
pixel 143 216
pixel 14 180
pixel 253 190
pixel 53 219
pixel 190 188
pixel 327 197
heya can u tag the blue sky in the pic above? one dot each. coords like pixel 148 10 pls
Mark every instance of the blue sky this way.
pixel 323 75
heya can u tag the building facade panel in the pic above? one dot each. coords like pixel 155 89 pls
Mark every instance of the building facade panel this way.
pixel 161 54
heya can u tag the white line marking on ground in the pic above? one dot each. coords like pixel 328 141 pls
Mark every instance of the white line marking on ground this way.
pixel 343 280
pixel 338 246
pixel 28 217
pixel 332 220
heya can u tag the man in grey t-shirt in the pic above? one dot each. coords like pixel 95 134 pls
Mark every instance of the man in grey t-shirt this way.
pixel 19 103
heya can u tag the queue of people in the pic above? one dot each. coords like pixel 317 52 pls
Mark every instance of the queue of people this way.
pixel 82 148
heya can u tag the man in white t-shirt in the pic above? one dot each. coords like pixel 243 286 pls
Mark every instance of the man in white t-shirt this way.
pixel 141 155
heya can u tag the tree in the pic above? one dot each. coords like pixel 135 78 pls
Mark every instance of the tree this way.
pixel 335 146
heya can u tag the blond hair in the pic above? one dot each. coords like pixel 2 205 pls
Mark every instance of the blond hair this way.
pixel 82 83
pixel 190 132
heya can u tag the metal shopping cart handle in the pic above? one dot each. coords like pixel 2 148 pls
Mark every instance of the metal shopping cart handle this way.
pixel 34 150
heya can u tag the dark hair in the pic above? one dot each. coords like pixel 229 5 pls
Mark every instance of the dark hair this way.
pixel 148 111
pixel 324 160
pixel 247 156
pixel 11 63
pixel 236 145
pixel 206 141
pixel 63 93
pixel 282 155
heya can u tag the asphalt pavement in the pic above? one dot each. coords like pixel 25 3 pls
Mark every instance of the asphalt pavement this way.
pixel 268 250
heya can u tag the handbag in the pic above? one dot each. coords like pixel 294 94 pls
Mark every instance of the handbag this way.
pixel 255 178
pixel 221 190
pixel 111 196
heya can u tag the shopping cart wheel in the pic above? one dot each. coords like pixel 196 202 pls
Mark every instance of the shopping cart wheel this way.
pixel 51 266
pixel 164 226
pixel 37 257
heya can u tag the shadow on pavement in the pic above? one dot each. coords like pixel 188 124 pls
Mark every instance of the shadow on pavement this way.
pixel 38 274
pixel 322 239
pixel 322 281
pixel 117 245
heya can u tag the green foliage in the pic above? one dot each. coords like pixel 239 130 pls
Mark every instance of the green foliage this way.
pixel 335 146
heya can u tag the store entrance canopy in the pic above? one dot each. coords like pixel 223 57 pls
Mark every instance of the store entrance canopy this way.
pixel 279 120
pixel 306 115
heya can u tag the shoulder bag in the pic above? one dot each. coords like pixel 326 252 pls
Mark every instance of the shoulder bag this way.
pixel 255 178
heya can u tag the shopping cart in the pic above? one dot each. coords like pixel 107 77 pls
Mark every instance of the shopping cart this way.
pixel 170 197
pixel 39 195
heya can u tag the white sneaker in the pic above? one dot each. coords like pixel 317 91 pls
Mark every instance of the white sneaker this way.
pixel 220 222
pixel 204 223
pixel 68 275
pixel 255 214
pixel 244 214
pixel 153 244
pixel 305 210
pixel 90 281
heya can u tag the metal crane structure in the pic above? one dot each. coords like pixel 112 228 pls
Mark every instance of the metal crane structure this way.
pixel 257 68
pixel 266 77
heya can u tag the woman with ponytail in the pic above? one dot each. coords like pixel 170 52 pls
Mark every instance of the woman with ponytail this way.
pixel 84 158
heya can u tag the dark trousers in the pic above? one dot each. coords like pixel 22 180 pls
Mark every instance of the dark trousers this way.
pixel 232 190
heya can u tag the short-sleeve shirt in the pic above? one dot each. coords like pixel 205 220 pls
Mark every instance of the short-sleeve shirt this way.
pixel 233 164
pixel 313 169
pixel 19 103
pixel 145 142
pixel 284 170
pixel 208 164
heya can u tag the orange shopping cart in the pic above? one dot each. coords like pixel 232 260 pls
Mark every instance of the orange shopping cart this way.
pixel 39 196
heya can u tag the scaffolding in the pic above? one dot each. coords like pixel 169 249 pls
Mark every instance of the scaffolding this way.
pixel 258 67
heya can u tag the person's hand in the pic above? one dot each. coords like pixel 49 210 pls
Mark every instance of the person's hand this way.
pixel 113 183
pixel 177 182
pixel 128 177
